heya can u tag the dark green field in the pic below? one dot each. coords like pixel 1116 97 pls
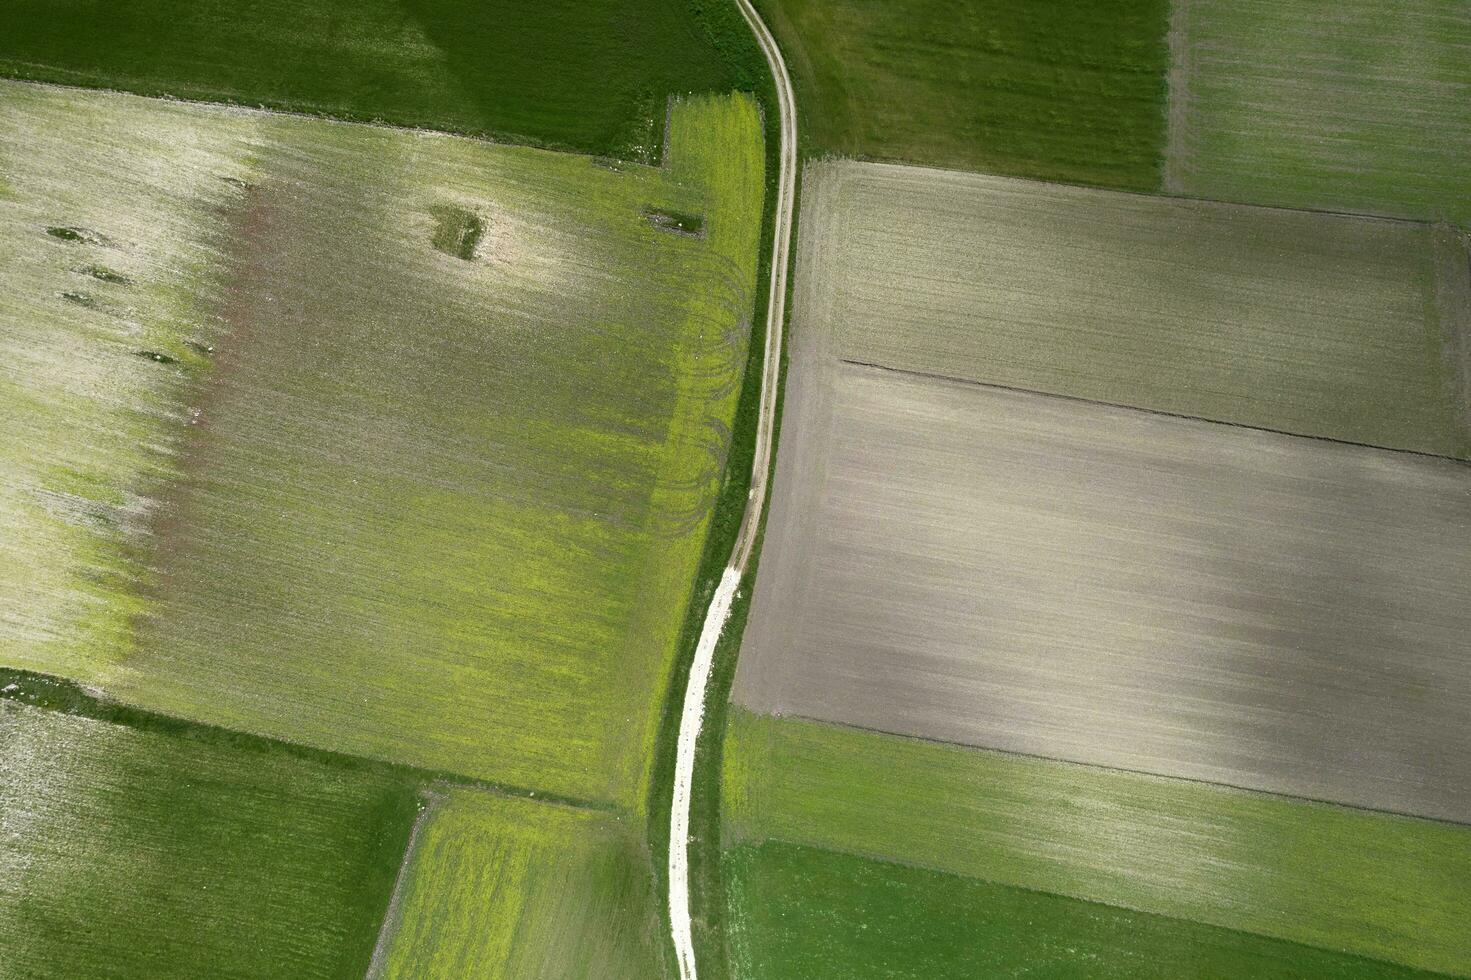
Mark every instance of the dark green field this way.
pixel 813 913
pixel 1072 90
pixel 129 853
pixel 589 75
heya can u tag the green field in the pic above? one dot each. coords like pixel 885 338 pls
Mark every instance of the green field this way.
pixel 387 500
pixel 589 75
pixel 500 887
pixel 1352 106
pixel 812 913
pixel 1378 885
pixel 1346 327
pixel 129 853
pixel 1071 91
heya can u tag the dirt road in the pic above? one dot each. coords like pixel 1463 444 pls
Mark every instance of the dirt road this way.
pixel 693 713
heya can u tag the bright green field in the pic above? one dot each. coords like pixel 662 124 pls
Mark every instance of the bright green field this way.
pixel 501 887
pixel 812 913
pixel 1355 105
pixel 1071 90
pixel 1382 886
pixel 589 75
pixel 132 854
pixel 440 511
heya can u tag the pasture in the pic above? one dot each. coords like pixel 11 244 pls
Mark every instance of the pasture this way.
pixel 1354 106
pixel 805 912
pixel 503 887
pixel 132 853
pixel 1378 885
pixel 1072 91
pixel 1327 325
pixel 1043 575
pixel 438 448
pixel 585 75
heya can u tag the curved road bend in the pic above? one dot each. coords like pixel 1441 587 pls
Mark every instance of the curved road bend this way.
pixel 693 713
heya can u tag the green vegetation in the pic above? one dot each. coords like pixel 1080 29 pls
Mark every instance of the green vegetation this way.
pixel 510 888
pixel 812 913
pixel 1375 884
pixel 1317 324
pixel 439 511
pixel 457 231
pixel 588 75
pixel 1071 91
pixel 1359 107
pixel 130 853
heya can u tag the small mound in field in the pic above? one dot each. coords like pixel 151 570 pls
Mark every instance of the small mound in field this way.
pixel 677 221
pixel 81 299
pixel 103 274
pixel 157 356
pixel 457 231
pixel 79 235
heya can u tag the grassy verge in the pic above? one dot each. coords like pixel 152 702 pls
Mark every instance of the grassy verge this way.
pixel 727 29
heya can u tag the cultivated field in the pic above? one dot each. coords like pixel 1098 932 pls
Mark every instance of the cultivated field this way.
pixel 1071 90
pixel 1379 885
pixel 432 482
pixel 1326 325
pixel 1354 106
pixel 1049 576
pixel 589 75
pixel 502 887
pixel 131 853
pixel 111 263
pixel 807 912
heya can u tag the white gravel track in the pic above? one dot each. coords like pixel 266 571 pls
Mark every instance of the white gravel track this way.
pixel 693 714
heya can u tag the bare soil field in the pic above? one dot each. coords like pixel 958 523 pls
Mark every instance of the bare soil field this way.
pixel 1084 582
pixel 1353 106
pixel 1326 325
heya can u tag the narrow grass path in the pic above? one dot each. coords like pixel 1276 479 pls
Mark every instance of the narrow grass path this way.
pixel 693 712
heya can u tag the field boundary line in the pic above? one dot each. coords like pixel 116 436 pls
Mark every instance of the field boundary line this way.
pixel 1159 195
pixel 393 915
pixel 696 685
pixel 241 108
pixel 1100 767
pixel 1162 413
pixel 45 692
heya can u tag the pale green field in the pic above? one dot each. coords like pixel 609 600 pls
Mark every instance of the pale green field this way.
pixel 88 426
pixel 439 511
pixel 502 887
pixel 1325 325
pixel 1355 105
pixel 1379 885
pixel 127 853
